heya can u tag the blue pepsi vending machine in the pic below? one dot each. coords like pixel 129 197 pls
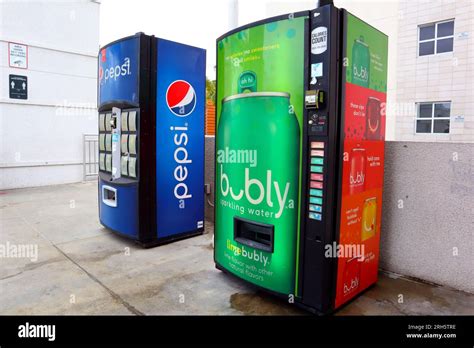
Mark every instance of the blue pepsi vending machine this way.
pixel 151 95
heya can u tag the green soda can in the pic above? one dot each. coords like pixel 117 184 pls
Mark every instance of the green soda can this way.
pixel 257 171
pixel 360 62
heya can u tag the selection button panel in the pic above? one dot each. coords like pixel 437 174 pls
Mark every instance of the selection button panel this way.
pixel 316 184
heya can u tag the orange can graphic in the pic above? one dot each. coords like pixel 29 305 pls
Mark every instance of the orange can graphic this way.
pixel 369 218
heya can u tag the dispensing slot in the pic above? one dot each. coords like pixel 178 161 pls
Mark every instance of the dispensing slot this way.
pixel 254 234
pixel 109 196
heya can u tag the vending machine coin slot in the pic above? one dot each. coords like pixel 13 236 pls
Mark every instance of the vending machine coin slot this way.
pixel 314 99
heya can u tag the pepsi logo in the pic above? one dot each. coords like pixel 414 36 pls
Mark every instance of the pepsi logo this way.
pixel 181 98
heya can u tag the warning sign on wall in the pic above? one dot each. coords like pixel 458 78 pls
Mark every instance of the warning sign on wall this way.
pixel 18 55
pixel 18 86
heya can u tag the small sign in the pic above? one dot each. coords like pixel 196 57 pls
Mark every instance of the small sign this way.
pixel 18 55
pixel 317 70
pixel 459 118
pixel 18 86
pixel 319 40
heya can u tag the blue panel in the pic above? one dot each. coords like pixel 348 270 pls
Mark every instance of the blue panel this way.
pixel 118 72
pixel 124 217
pixel 180 138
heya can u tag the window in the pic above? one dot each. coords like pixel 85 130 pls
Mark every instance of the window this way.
pixel 433 117
pixel 435 38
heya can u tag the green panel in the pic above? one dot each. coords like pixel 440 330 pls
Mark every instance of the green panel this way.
pixel 274 52
pixel 264 58
pixel 366 55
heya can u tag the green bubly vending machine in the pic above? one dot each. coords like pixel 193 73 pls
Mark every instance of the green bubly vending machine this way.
pixel 300 131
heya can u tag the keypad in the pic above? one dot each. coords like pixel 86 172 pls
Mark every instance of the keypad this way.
pixel 316 184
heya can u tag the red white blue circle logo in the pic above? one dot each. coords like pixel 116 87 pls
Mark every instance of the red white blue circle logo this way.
pixel 181 98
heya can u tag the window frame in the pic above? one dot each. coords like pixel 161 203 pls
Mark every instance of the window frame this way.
pixel 435 38
pixel 432 118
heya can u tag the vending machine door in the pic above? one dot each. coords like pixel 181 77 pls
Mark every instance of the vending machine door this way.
pixel 260 98
pixel 119 132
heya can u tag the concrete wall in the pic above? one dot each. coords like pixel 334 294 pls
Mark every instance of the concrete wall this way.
pixel 428 209
pixel 41 137
pixel 427 223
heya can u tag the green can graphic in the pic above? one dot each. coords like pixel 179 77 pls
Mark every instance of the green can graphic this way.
pixel 360 62
pixel 257 189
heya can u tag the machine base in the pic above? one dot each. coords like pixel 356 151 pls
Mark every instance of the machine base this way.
pixel 297 302
pixel 157 241
pixel 166 240
pixel 278 295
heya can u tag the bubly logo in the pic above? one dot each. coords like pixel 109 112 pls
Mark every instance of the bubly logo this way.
pixel 351 285
pixel 181 158
pixel 357 178
pixel 264 190
pixel 181 98
pixel 361 73
pixel 115 72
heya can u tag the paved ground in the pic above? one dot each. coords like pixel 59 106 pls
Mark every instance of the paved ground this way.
pixel 84 269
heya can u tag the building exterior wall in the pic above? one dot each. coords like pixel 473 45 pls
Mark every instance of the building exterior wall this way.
pixel 41 137
pixel 442 77
pixel 427 221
